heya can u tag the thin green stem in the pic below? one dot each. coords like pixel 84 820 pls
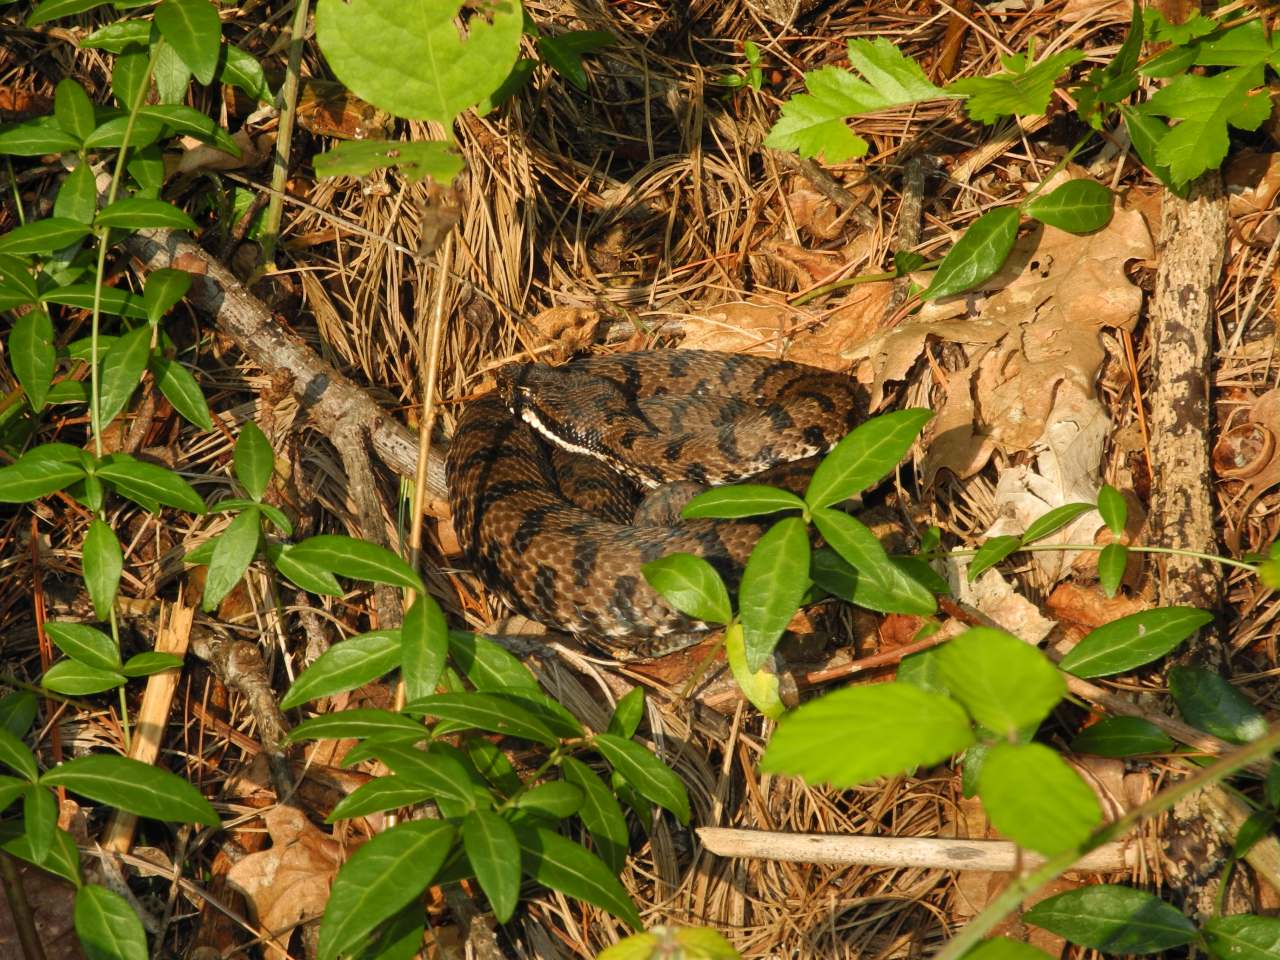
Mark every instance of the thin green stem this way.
pixel 284 141
pixel 1059 166
pixel 1013 895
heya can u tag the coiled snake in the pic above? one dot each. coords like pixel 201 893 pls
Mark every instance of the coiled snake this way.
pixel 544 474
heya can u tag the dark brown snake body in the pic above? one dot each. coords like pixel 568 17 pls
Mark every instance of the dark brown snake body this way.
pixel 551 526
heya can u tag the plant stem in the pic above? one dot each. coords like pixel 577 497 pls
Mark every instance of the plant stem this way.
pixel 1008 899
pixel 284 143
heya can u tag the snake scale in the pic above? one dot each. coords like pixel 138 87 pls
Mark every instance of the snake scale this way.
pixel 545 472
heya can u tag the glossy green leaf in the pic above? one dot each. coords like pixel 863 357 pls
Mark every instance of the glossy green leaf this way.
pixel 483 712
pixel 1113 560
pixel 1021 89
pixel 17 285
pixel 555 800
pixel 488 759
pixel 1078 206
pixel 1002 948
pixel 181 389
pixel 17 756
pixel 384 875
pixel 357 559
pixel 254 459
pixel 233 551
pixel 163 289
pixel 75 679
pixel 122 369
pixel 148 484
pixel 760 687
pixel 686 943
pixel 741 500
pixel 977 255
pixel 1113 508
pixel 1114 919
pixel 139 213
pixel 1033 797
pixel 147 662
pixel 48 10
pixel 122 303
pixel 1210 703
pixel 82 642
pixel 17 712
pixel 1055 519
pixel 40 819
pixel 424 647
pixel 775 579
pixel 600 812
pixel 63 859
pixel 171 75
pixel 77 196
pixel 103 563
pixel 11 788
pixel 107 927
pixel 32 355
pixel 489 841
pixel 119 36
pixel 627 715
pixel 129 80
pixel 72 108
pixel 308 576
pixel 562 865
pixel 865 456
pixel 1005 684
pixel 136 787
pixel 43 236
pixel 1122 737
pixel 346 665
pixel 434 769
pixel 241 69
pixel 488 666
pixel 992 551
pixel 193 29
pixel 142 133
pixel 382 793
pixel 896 727
pixel 361 724
pixel 691 585
pixel 650 776
pixel 1133 641
pixel 881 584
pixel 35 138
pixel 1243 937
pixel 563 53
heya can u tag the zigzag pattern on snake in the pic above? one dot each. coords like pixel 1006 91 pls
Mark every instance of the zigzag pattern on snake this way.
pixel 552 527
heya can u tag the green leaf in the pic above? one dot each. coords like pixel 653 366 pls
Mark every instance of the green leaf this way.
pixel 489 841
pixel 812 123
pixel 600 812
pixel 40 818
pixel 107 927
pixel 11 788
pixel 360 724
pixel 761 686
pixel 163 289
pixel 63 858
pixel 691 585
pixel 147 484
pixel 18 712
pixel 357 559
pixel 308 576
pixel 628 713
pixel 564 53
pixel 138 213
pixel 182 119
pixel 994 550
pixel 122 369
pixel 103 563
pixel 1002 948
pixel 17 757
pixel 72 108
pixel 562 865
pixel 1020 90
pixel 426 68
pixel 35 138
pixel 81 642
pixel 741 500
pixel 488 666
pixel 686 943
pixel 382 793
pixel 32 355
pixel 977 255
pixel 111 133
pixel 864 457
pixel 1005 684
pixel 233 551
pixel 424 645
pixel 29 480
pixel 48 10
pixel 1133 641
pixel 774 581
pixel 1209 703
pixel 882 584
pixel 491 763
pixel 1078 206
pixel 181 389
pixel 434 769
pixel 1112 562
pixel 241 69
pixel 1055 519
pixel 1113 509
pixel 482 711
pixel 147 662
pixel 652 778
pixel 1121 737
pixel 1033 797
pixel 254 459
pixel 43 236
pixel 136 787
pixel 1113 919
pixel 78 196
pixel 1243 937
pixel 896 727
pixel 193 29
pixel 119 302
pixel 555 800
pixel 345 666
pixel 384 875
pixel 119 36
pixel 417 160
pixel 17 286
pixel 129 80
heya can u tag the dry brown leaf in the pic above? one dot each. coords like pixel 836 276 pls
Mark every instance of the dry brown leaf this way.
pixel 289 882
pixel 740 326
pixel 566 329
pixel 197 155
pixel 814 213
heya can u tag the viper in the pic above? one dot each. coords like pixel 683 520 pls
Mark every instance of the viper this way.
pixel 546 472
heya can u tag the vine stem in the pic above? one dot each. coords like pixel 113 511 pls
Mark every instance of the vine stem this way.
pixel 1012 896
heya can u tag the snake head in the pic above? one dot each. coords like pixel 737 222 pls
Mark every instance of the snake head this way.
pixel 565 406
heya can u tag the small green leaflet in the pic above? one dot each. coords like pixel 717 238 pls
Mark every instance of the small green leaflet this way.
pixel 813 123
pixel 417 160
pixel 1019 91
